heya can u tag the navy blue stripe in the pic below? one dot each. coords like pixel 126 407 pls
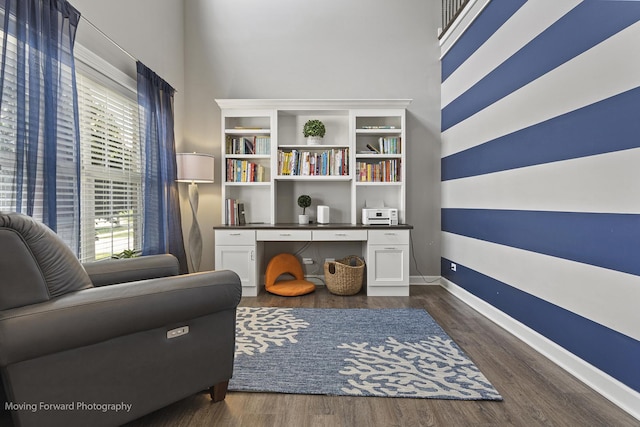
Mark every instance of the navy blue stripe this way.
pixel 606 349
pixel 496 13
pixel 606 126
pixel 601 239
pixel 587 25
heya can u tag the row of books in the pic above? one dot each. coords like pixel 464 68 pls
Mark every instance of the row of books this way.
pixel 322 163
pixel 234 212
pixel 244 171
pixel 386 145
pixel 384 171
pixel 248 145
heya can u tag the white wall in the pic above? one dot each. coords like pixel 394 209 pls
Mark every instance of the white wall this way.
pixel 332 49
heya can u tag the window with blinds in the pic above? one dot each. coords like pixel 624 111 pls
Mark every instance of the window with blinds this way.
pixel 111 176
pixel 110 153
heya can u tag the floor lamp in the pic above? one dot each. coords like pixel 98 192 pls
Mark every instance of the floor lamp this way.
pixel 195 168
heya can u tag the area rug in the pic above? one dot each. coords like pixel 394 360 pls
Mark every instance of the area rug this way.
pixel 352 352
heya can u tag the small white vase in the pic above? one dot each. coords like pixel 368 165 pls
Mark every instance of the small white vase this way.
pixel 314 140
pixel 303 219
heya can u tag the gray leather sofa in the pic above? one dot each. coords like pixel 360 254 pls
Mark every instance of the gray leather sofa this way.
pixel 79 344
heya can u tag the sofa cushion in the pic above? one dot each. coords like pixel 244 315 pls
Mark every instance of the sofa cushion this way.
pixel 22 280
pixel 37 257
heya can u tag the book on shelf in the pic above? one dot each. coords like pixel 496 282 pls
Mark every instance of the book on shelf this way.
pixel 241 217
pixel 244 171
pixel 234 212
pixel 388 145
pixel 258 144
pixel 383 171
pixel 373 149
pixel 334 162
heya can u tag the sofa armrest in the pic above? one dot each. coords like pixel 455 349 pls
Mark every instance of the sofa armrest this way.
pixel 111 271
pixel 94 315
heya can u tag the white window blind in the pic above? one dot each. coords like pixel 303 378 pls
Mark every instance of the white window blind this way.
pixel 8 127
pixel 111 170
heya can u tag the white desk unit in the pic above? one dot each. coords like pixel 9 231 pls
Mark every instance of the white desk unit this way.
pixel 384 248
pixel 367 145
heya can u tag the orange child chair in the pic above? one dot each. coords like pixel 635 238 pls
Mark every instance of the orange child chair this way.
pixel 286 263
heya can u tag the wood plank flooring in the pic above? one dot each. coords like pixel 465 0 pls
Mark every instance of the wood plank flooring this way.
pixel 536 392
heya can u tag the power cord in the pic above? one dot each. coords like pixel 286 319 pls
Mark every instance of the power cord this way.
pixel 415 261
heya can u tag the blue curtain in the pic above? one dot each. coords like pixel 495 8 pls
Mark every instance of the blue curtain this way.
pixel 162 226
pixel 40 112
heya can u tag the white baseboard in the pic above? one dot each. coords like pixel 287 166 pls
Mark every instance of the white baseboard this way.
pixel 317 279
pixel 413 280
pixel 425 280
pixel 615 391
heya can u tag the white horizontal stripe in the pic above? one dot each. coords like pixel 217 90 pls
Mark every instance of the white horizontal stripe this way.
pixel 526 24
pixel 605 70
pixel 602 183
pixel 607 297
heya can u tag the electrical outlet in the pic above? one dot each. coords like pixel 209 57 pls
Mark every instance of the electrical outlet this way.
pixel 453 266
pixel 307 260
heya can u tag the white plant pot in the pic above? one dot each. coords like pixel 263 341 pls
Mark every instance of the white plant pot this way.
pixel 303 219
pixel 314 140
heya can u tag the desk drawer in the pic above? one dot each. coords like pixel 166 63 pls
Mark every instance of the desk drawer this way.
pixel 334 235
pixel 388 237
pixel 284 235
pixel 235 237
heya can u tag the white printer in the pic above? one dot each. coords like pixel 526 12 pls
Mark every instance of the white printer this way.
pixel 380 216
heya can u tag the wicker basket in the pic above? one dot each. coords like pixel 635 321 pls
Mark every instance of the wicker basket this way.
pixel 344 277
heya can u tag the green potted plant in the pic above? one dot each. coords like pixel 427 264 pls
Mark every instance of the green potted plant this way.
pixel 127 253
pixel 304 202
pixel 314 131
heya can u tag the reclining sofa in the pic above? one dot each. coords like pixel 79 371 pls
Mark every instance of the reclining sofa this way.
pixel 110 341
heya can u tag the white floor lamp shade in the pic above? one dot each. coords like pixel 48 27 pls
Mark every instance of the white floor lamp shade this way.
pixel 195 168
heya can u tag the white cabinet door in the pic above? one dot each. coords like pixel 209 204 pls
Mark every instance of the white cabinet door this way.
pixel 242 260
pixel 387 264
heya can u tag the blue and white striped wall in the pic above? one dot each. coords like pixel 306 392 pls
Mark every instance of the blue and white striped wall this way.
pixel 541 179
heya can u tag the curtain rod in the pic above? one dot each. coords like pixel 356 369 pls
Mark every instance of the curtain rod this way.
pixel 109 38
pixel 115 44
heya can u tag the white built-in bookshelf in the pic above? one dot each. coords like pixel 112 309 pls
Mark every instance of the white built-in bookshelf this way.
pixel 267 164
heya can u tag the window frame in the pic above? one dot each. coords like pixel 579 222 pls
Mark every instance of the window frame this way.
pixel 93 71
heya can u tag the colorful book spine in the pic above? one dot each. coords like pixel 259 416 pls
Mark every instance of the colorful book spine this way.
pixel 244 171
pixel 248 145
pixel 387 145
pixel 383 171
pixel 234 212
pixel 334 162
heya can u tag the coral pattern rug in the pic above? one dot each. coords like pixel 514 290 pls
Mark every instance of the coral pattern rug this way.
pixel 352 352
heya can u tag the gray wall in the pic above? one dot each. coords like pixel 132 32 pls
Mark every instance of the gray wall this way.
pixel 333 49
pixel 211 49
pixel 152 31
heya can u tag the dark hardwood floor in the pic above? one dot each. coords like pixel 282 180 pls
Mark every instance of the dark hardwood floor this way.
pixel 536 392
